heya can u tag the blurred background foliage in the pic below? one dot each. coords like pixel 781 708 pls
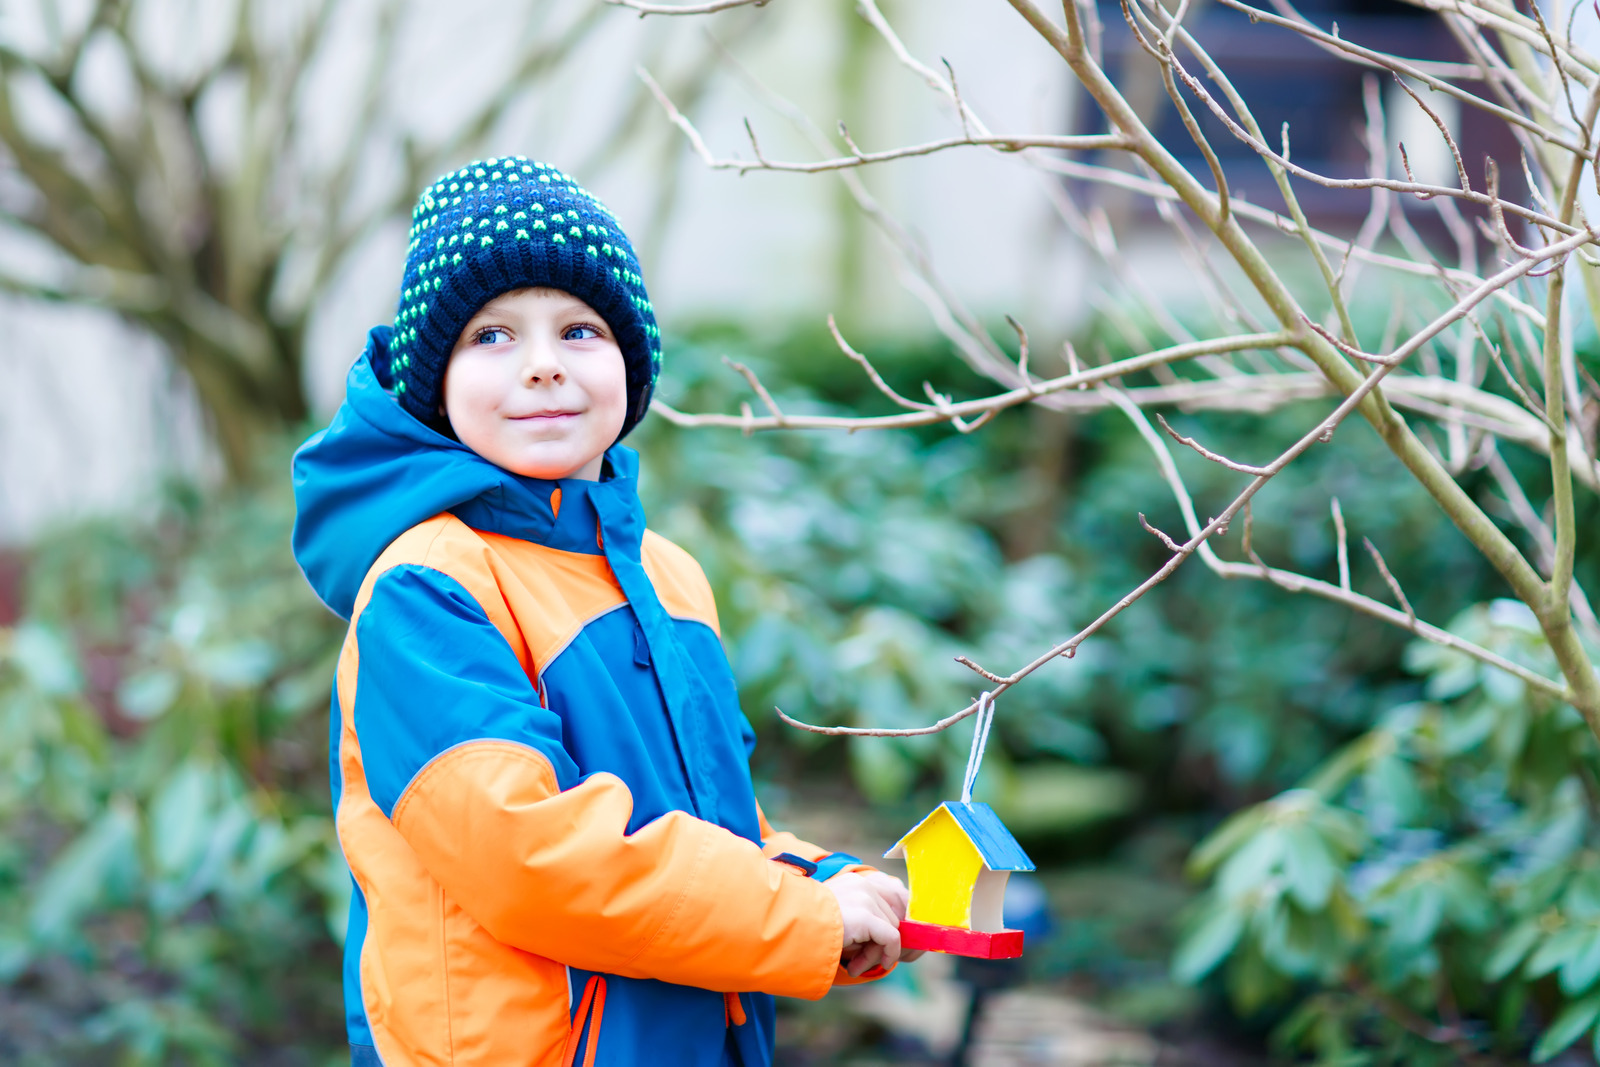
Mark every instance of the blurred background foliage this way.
pixel 1259 817
pixel 1416 840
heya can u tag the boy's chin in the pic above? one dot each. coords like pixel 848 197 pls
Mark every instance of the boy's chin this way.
pixel 549 466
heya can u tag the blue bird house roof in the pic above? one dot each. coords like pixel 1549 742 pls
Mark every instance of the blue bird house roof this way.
pixel 995 845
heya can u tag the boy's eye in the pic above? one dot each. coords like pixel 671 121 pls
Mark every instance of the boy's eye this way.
pixel 579 333
pixel 494 335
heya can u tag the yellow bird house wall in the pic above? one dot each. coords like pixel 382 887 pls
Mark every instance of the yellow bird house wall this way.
pixel 949 884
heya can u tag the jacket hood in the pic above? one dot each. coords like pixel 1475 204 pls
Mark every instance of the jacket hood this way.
pixel 377 471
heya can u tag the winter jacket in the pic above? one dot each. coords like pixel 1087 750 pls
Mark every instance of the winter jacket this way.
pixel 540 769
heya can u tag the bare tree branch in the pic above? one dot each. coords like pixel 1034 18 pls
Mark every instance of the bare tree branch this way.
pixel 714 6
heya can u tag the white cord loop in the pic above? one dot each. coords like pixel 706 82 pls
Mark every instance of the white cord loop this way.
pixel 980 738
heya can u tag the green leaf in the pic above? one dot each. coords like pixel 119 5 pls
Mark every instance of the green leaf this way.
pixel 1208 944
pixel 148 694
pixel 1574 1020
pixel 239 665
pixel 1453 681
pixel 1309 866
pixel 181 817
pixel 1225 840
pixel 100 863
pixel 46 660
pixel 1416 912
pixel 1583 966
pixel 14 957
pixel 1558 948
pixel 1253 863
pixel 1582 897
pixel 1390 781
pixel 1512 950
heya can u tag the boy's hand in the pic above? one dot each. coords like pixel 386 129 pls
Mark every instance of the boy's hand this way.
pixel 891 889
pixel 871 905
pixel 898 897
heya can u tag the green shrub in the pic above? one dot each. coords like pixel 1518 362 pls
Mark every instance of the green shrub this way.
pixel 169 882
pixel 1432 890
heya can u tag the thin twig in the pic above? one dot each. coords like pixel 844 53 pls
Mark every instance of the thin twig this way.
pixel 1348 349
pixel 1343 548
pixel 1561 70
pixel 872 372
pixel 711 7
pixel 1242 468
pixel 1172 546
pixel 1444 131
pixel 1001 143
pixel 1418 188
pixel 755 383
pixel 1022 351
pixel 928 415
pixel 1243 210
pixel 1389 579
pixel 990 675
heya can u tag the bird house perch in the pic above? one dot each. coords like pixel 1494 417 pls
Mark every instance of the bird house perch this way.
pixel 958 860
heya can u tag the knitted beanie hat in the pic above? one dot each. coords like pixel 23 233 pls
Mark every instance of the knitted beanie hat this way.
pixel 512 223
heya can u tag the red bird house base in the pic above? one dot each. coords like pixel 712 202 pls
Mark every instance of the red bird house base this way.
pixel 959 941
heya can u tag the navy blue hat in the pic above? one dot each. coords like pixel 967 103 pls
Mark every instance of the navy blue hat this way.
pixel 512 223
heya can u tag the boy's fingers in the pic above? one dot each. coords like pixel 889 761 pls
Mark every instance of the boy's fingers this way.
pixel 890 891
pixel 897 899
pixel 869 957
pixel 881 909
pixel 872 910
pixel 887 935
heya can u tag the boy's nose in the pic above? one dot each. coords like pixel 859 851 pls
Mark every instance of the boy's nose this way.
pixel 542 366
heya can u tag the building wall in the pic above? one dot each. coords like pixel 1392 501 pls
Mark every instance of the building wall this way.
pixel 94 417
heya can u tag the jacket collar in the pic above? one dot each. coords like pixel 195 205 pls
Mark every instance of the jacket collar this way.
pixel 570 514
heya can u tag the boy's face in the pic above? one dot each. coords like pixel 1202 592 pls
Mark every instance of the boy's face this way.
pixel 536 384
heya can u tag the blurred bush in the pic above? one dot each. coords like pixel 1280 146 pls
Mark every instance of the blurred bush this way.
pixel 1433 888
pixel 169 881
pixel 170 887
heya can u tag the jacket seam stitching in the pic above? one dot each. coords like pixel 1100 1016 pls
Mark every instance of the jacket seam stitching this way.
pixel 539 759
pixel 540 672
pixel 550 660
pixel 441 572
pixel 375 575
pixel 427 554
pixel 577 631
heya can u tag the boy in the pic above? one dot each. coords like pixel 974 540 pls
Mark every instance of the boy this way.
pixel 539 764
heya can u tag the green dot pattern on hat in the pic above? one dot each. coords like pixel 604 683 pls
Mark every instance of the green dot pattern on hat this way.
pixel 511 223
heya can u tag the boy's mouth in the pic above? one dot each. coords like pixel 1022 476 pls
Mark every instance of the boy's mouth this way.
pixel 543 416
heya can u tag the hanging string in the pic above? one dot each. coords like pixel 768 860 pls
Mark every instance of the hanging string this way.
pixel 980 738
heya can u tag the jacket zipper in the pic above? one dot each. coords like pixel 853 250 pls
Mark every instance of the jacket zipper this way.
pixel 733 1008
pixel 590 1010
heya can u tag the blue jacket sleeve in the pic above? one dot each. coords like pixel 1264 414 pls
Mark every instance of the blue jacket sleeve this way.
pixel 435 673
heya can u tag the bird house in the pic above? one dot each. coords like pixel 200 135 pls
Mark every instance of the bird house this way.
pixel 958 860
